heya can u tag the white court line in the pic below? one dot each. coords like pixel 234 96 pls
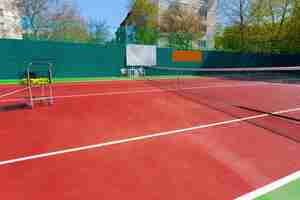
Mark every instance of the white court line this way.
pixel 285 84
pixel 140 138
pixel 138 91
pixel 271 187
pixel 13 92
pixel 153 91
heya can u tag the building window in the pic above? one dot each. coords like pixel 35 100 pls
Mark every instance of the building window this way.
pixel 1 12
pixel 2 30
pixel 203 11
pixel 202 44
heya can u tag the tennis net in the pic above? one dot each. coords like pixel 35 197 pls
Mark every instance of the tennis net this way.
pixel 239 93
pixel 175 78
pixel 267 74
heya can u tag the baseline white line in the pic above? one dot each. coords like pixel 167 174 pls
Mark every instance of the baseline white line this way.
pixel 285 84
pixel 151 91
pixel 140 138
pixel 141 91
pixel 94 82
pixel 13 92
pixel 271 187
pixel 224 86
pixel 154 90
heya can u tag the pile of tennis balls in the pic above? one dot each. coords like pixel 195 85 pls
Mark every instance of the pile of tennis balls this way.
pixel 36 81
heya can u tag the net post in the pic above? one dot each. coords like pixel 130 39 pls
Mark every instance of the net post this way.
pixel 29 86
pixel 50 83
pixel 179 80
pixel 130 72
pixel 43 91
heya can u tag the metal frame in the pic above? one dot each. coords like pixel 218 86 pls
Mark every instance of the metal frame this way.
pixel 131 73
pixel 43 87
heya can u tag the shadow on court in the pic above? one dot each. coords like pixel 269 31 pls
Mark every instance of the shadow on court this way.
pixel 14 107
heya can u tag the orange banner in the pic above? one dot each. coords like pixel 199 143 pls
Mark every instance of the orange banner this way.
pixel 187 56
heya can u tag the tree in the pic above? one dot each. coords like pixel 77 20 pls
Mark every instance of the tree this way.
pixel 273 14
pixel 218 37
pixel 66 24
pixel 237 14
pixel 35 15
pixel 144 18
pixel 293 24
pixel 262 26
pixel 144 13
pixel 98 31
pixel 183 25
pixel 55 20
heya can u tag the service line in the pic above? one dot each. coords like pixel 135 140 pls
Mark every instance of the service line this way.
pixel 144 91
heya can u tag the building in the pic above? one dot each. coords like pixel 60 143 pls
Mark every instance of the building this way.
pixel 205 8
pixel 10 26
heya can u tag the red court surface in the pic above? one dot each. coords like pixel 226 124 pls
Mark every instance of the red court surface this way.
pixel 134 140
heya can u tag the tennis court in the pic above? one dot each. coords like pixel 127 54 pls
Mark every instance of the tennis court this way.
pixel 182 137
